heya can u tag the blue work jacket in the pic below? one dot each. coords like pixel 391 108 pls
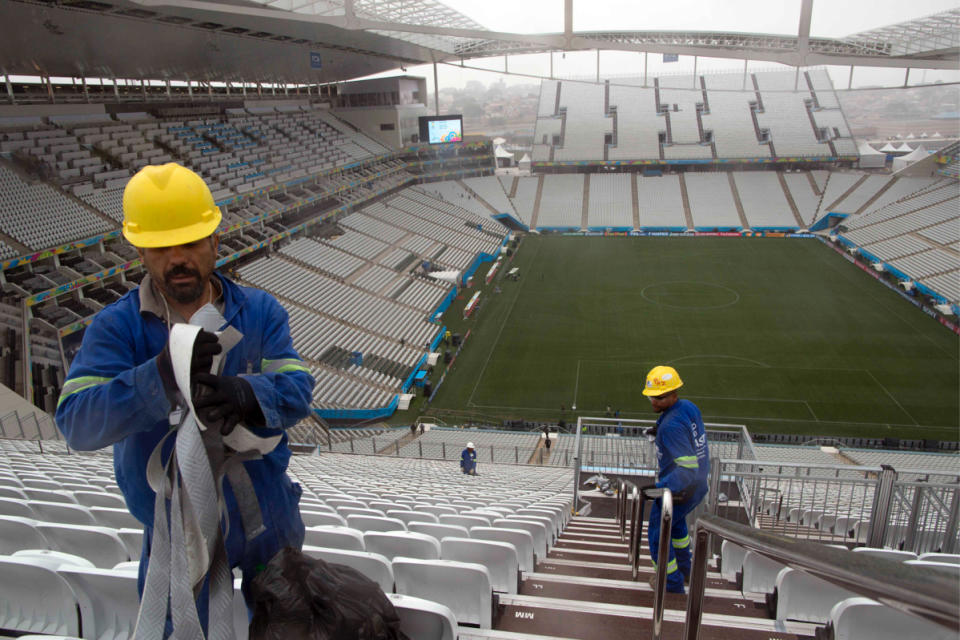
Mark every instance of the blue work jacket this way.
pixel 113 395
pixel 682 454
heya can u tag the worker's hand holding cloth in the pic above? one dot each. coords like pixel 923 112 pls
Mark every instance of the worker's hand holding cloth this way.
pixel 220 401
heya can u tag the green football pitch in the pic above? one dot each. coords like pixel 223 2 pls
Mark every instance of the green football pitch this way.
pixel 782 335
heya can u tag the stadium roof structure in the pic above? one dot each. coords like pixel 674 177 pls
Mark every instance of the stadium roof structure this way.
pixel 280 40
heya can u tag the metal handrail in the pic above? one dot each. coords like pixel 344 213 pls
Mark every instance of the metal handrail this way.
pixel 636 501
pixel 894 584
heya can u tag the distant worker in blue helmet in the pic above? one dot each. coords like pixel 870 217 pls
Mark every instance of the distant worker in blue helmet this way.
pixel 683 463
pixel 468 460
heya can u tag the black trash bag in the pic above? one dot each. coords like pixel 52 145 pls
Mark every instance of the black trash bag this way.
pixel 302 598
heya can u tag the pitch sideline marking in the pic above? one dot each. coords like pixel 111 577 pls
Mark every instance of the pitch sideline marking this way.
pixel 499 333
pixel 889 395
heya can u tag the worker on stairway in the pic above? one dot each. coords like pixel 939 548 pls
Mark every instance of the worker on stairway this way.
pixel 121 389
pixel 468 460
pixel 683 464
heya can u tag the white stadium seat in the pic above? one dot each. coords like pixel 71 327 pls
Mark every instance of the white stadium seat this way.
pixel 100 545
pixel 335 537
pixel 108 600
pixel 372 565
pixel 862 618
pixel 402 543
pixel 463 587
pixel 500 559
pixel 521 540
pixel 34 598
pixel 422 619
pixel 18 533
pixel 806 598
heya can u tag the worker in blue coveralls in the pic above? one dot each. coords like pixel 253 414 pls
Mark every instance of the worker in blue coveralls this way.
pixel 683 461
pixel 121 388
pixel 468 460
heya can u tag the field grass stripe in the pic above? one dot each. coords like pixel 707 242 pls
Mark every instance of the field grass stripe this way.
pixel 890 395
pixel 503 324
pixel 873 293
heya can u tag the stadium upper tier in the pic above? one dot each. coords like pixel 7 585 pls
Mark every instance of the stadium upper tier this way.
pixel 692 119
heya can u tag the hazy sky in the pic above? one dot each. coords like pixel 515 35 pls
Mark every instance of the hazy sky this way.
pixel 834 18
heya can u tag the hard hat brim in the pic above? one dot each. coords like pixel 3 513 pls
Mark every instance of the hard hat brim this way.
pixel 660 392
pixel 173 237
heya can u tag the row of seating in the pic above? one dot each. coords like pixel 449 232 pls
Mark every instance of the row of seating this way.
pixel 798 596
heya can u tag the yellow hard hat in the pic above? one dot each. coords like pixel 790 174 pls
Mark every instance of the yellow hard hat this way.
pixel 661 380
pixel 166 205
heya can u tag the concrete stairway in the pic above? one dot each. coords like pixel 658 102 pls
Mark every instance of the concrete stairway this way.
pixel 584 590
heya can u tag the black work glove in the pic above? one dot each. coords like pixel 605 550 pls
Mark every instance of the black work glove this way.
pixel 204 348
pixel 225 401
pixel 650 432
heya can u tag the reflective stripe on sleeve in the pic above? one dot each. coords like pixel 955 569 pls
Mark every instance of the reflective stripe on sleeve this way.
pixel 688 462
pixel 79 384
pixel 283 365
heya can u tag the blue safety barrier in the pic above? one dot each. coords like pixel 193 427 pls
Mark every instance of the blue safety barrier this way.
pixel 359 414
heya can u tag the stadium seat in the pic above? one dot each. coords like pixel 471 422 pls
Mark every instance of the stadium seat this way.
pixel 375 523
pixel 440 531
pixel 940 557
pixel 857 618
pixel 500 559
pixel 521 540
pixel 114 517
pixel 760 573
pixel 63 513
pixel 15 507
pixel 806 598
pixel 467 522
pixel 50 495
pixel 731 560
pixel 335 537
pixel 316 518
pixel 402 543
pixel 12 492
pixel 132 540
pixel 411 516
pixel 100 545
pixel 18 533
pixel 372 565
pixel 463 587
pixel 99 499
pixel 108 600
pixel 889 554
pixel 950 568
pixel 53 559
pixel 356 511
pixel 34 598
pixel 548 525
pixel 538 530
pixel 422 619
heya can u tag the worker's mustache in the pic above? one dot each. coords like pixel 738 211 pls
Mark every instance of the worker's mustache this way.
pixel 181 270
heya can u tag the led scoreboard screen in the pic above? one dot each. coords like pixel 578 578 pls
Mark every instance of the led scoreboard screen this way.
pixel 441 129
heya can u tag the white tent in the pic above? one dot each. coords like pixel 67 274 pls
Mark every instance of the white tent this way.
pixel 453 277
pixel 904 161
pixel 910 136
pixel 870 158
pixel 524 161
pixel 936 134
pixel 888 148
pixel 504 157
pixel 904 148
pixel 499 141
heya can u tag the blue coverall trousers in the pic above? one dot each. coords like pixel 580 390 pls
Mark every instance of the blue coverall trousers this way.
pixel 678 564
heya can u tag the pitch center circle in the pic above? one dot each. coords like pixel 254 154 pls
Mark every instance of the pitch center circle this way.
pixel 685 294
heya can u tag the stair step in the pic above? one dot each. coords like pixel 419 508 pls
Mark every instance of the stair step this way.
pixel 637 594
pixel 590 620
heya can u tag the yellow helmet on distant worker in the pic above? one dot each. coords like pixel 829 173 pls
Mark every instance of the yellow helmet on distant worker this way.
pixel 167 205
pixel 661 380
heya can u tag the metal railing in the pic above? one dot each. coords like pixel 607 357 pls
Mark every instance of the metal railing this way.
pixel 912 509
pixel 32 426
pixel 630 508
pixel 910 589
